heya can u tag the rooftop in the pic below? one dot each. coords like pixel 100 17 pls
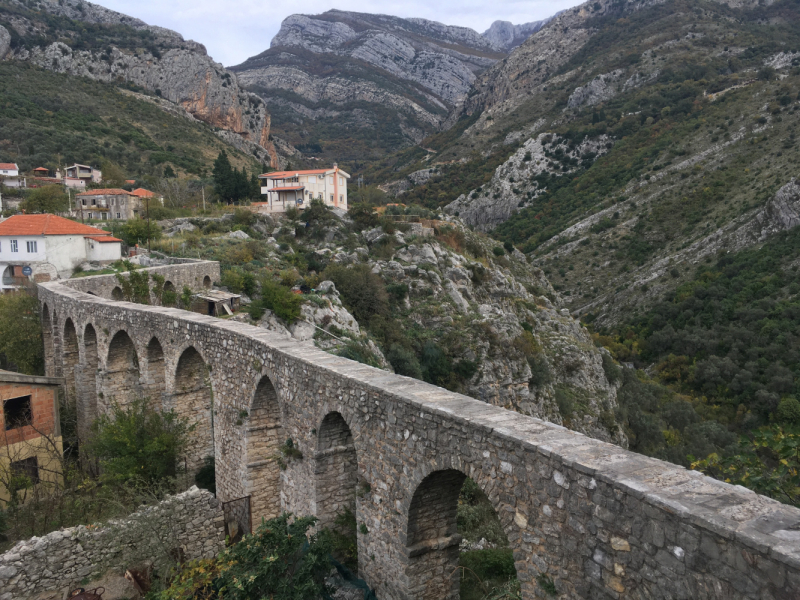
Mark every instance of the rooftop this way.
pixel 216 295
pixel 103 239
pixel 9 166
pixel 106 192
pixel 143 193
pixel 11 377
pixel 46 225
pixel 286 174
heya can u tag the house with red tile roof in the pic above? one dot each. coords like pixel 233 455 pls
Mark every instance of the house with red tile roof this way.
pixel 47 247
pixel 9 175
pixel 109 204
pixel 297 188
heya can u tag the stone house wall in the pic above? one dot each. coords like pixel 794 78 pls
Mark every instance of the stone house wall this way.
pixel 191 521
pixel 597 520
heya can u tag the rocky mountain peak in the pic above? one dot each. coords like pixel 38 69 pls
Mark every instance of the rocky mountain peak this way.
pixel 507 36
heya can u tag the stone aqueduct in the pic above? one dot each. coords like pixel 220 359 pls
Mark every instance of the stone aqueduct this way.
pixel 598 521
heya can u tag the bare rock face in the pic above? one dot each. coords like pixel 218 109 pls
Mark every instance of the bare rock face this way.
pixel 5 42
pixel 175 69
pixel 412 68
pixel 514 183
pixel 506 35
pixel 600 89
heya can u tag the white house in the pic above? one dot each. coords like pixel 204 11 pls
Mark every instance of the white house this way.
pixel 298 188
pixel 47 247
pixel 9 175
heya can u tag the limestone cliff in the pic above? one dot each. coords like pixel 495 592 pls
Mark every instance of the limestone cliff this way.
pixel 156 59
pixel 506 35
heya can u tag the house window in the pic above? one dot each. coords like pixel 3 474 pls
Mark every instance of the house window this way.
pixel 312 179
pixel 31 247
pixel 119 216
pixel 83 201
pixel 94 201
pixel 14 247
pixel 331 198
pixel 28 468
pixel 341 199
pixel 17 412
pixel 319 196
pixel 341 180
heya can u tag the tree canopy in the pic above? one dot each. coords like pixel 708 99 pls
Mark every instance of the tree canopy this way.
pixel 232 185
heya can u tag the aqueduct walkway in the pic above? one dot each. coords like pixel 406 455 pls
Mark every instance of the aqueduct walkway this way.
pixel 600 521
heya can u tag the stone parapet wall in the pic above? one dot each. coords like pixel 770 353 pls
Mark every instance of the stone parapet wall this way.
pixel 597 520
pixel 188 272
pixel 191 521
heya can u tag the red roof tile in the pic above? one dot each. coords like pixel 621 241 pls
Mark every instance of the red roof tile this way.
pixel 285 174
pixel 9 166
pixel 105 192
pixel 143 193
pixel 103 239
pixel 41 169
pixel 46 225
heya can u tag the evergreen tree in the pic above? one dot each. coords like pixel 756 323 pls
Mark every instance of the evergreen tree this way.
pixel 224 177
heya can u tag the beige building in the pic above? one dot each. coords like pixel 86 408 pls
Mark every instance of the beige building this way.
pixel 31 447
pixel 297 188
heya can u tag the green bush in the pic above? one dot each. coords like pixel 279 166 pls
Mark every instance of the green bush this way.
pixel 21 333
pixel 788 411
pixel 281 301
pixel 491 563
pixel 137 231
pixel 498 251
pixel 137 442
pixel 282 560
pixel 362 291
pixel 404 361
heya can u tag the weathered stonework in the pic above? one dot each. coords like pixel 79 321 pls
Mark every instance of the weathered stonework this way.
pixel 600 521
pixel 192 521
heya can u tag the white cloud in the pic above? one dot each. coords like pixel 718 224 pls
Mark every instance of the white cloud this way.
pixel 233 32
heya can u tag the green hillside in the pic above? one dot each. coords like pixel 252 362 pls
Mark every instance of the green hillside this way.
pixel 48 119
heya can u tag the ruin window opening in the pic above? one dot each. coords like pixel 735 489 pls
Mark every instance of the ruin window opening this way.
pixel 27 467
pixel 17 412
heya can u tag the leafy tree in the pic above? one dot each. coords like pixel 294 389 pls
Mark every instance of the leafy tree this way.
pixel 135 287
pixel 47 199
pixel 113 175
pixel 138 231
pixel 137 442
pixel 769 463
pixel 362 290
pixel 363 215
pixel 281 301
pixel 282 560
pixel 21 332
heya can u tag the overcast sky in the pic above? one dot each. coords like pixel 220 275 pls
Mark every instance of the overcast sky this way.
pixel 235 31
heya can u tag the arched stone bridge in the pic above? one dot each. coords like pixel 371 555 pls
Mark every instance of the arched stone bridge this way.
pixel 598 521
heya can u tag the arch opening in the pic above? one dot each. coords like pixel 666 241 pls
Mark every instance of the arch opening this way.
pixel 336 480
pixel 49 343
pixel 155 385
pixel 191 399
pixel 87 400
pixel 264 437
pixel 116 294
pixel 70 358
pixel 447 508
pixel 207 282
pixel 121 377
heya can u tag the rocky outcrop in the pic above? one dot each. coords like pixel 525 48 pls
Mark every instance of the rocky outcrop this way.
pixel 177 70
pixel 408 70
pixel 5 42
pixel 507 36
pixel 600 89
pixel 514 184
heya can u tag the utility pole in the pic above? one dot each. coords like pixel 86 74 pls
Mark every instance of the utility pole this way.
pixel 148 224
pixel 204 197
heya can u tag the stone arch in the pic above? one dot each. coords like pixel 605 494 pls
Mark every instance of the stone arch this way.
pixel 192 399
pixel 432 539
pixel 70 357
pixel 336 472
pixel 265 435
pixel 169 286
pixel 207 282
pixel 121 376
pixel 116 294
pixel 87 400
pixel 49 342
pixel 155 384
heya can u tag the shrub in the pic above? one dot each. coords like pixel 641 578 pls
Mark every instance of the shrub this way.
pixel 788 411
pixel 138 231
pixel 363 291
pixel 137 442
pixel 281 301
pixel 233 280
pixel 360 352
pixel 282 560
pixel 491 563
pixel 404 361
pixel 498 251
pixel 21 333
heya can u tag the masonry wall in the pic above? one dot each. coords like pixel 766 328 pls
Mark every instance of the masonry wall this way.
pixel 598 521
pixel 192 521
